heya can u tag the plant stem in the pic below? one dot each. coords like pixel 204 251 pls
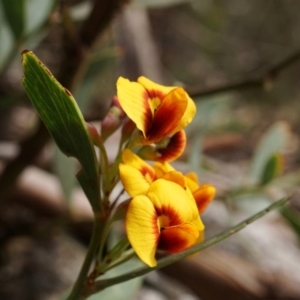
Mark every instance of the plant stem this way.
pixel 102 284
pixel 77 291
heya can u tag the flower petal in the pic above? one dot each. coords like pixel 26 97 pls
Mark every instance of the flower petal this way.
pixel 171 200
pixel 142 229
pixel 154 89
pixel 178 238
pixel 175 147
pixel 168 115
pixel 133 99
pixel 135 174
pixel 176 177
pixel 188 115
pixel 203 196
pixel 192 181
pixel 161 168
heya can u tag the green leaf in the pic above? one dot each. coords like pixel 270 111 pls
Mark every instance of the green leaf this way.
pixel 272 142
pixel 15 16
pixel 272 168
pixel 293 217
pixel 62 117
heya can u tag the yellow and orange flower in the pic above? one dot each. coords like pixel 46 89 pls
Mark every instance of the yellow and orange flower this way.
pixel 136 176
pixel 158 111
pixel 166 218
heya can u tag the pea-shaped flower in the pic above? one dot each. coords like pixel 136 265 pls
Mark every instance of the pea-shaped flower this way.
pixel 165 218
pixel 158 111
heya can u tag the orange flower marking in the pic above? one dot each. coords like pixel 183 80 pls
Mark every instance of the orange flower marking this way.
pixel 168 149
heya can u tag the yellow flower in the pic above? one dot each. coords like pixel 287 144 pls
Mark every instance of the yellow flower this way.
pixel 136 176
pixel 158 111
pixel 165 218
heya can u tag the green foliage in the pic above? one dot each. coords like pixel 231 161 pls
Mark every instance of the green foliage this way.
pixel 271 143
pixel 61 115
pixel 272 168
pixel 14 13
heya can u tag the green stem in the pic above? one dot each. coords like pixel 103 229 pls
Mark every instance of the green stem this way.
pixel 102 284
pixel 77 291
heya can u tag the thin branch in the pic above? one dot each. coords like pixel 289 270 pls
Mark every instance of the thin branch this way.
pixel 260 82
pixel 102 284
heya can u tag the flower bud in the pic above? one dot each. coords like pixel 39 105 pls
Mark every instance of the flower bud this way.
pixel 94 134
pixel 112 120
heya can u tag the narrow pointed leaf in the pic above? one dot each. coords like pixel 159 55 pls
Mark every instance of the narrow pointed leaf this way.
pixel 62 117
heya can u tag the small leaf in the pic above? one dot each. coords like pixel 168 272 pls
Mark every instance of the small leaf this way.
pixel 272 142
pixel 62 117
pixel 15 16
pixel 273 168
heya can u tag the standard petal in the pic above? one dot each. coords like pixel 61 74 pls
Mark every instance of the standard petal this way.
pixel 178 238
pixel 168 115
pixel 142 229
pixel 203 196
pixel 171 200
pixel 133 99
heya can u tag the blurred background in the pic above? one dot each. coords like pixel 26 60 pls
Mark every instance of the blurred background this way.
pixel 239 60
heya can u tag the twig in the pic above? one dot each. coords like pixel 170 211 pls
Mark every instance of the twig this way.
pixel 102 284
pixel 260 82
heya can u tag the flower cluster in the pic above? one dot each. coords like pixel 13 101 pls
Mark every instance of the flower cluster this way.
pixel 163 212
